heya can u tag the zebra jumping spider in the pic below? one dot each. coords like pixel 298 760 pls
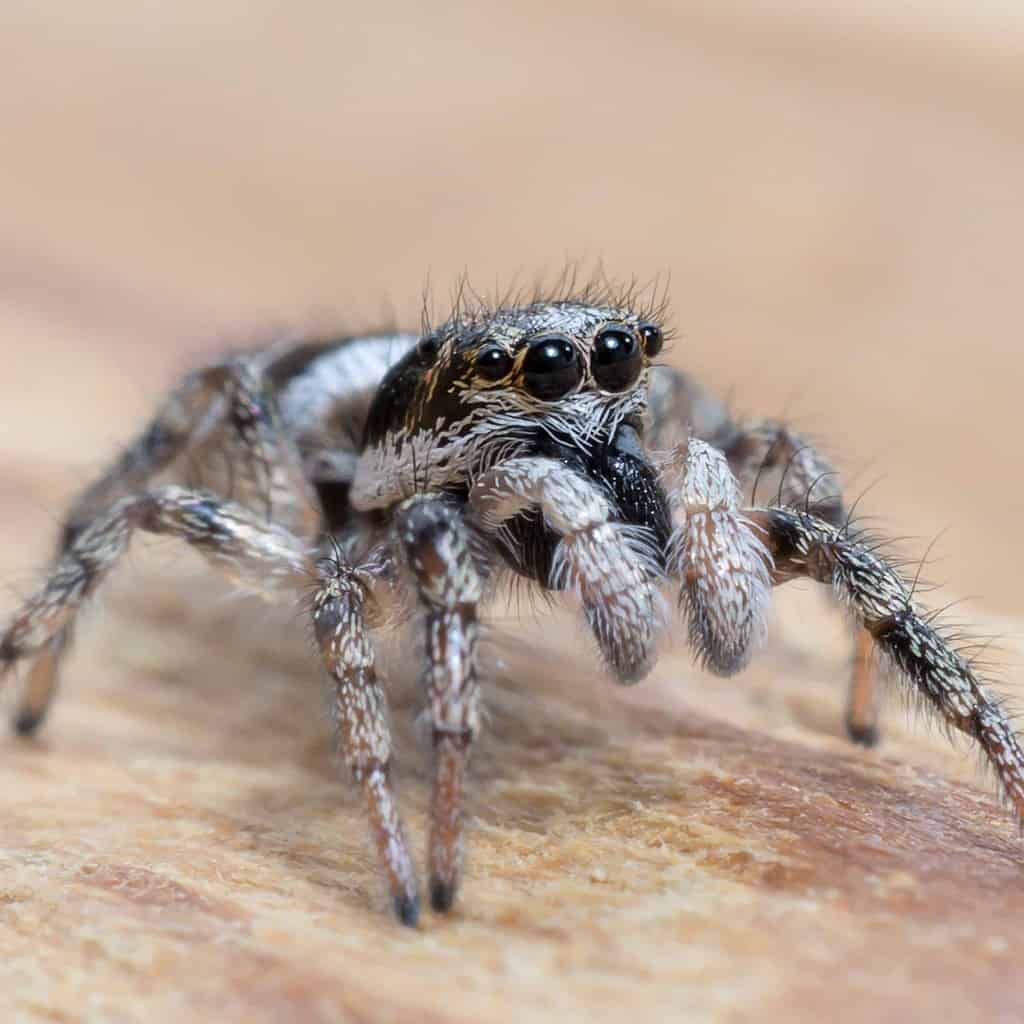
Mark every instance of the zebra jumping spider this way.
pixel 540 440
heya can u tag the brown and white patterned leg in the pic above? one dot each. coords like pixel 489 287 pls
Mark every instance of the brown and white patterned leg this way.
pixel 167 435
pixel 436 545
pixel 809 482
pixel 257 554
pixel 678 404
pixel 40 685
pixel 882 601
pixel 260 556
pixel 341 603
pixel 612 566
pixel 225 400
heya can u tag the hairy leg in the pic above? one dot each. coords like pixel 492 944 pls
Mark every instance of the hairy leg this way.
pixel 808 481
pixel 719 559
pixel 612 566
pixel 224 401
pixel 259 556
pixel 436 545
pixel 229 535
pixel 882 601
pixel 341 603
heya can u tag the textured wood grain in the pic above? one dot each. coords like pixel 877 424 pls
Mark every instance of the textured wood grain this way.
pixel 838 197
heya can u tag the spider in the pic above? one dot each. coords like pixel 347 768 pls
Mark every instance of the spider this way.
pixel 409 473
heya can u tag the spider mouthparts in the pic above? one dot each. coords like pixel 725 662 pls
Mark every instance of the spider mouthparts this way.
pixel 407 910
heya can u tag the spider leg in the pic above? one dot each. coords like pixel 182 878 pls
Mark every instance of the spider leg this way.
pixel 862 700
pixel 718 557
pixel 612 566
pixel 228 534
pixel 808 481
pixel 260 556
pixel 436 545
pixel 227 400
pixel 879 597
pixel 360 712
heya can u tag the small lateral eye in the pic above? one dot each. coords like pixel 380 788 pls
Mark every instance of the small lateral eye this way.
pixel 493 363
pixel 427 349
pixel 615 360
pixel 653 338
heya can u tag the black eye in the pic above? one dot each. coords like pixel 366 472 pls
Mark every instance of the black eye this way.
pixel 616 360
pixel 427 349
pixel 653 339
pixel 551 368
pixel 493 363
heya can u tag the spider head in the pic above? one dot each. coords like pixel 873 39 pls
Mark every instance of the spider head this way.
pixel 492 384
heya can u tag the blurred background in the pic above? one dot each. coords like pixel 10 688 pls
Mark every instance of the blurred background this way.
pixel 834 192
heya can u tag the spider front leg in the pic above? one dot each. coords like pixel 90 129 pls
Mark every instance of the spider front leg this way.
pixel 436 545
pixel 882 601
pixel 360 713
pixel 612 566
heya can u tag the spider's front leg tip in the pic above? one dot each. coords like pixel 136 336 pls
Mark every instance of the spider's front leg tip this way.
pixel 864 734
pixel 26 722
pixel 442 895
pixel 407 910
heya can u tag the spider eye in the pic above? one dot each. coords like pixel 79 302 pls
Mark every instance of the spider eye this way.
pixel 493 363
pixel 616 360
pixel 653 339
pixel 551 368
pixel 427 349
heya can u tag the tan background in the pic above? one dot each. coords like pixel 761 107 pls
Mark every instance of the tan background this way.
pixel 837 196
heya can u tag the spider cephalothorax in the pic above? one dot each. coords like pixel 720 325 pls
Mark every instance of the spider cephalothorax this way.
pixel 486 387
pixel 538 440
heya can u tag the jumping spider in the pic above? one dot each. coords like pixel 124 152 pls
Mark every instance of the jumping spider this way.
pixel 519 441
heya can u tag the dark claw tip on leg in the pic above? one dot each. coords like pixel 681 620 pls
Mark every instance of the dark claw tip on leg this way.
pixel 442 895
pixel 863 735
pixel 407 910
pixel 26 722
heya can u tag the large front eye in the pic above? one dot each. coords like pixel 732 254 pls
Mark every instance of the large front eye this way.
pixel 616 360
pixel 551 368
pixel 493 363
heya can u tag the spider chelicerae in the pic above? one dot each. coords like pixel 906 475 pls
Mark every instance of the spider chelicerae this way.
pixel 537 439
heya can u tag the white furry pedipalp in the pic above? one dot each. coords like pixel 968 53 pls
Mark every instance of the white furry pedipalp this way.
pixel 724 566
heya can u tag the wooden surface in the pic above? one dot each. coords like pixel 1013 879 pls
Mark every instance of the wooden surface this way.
pixel 838 199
